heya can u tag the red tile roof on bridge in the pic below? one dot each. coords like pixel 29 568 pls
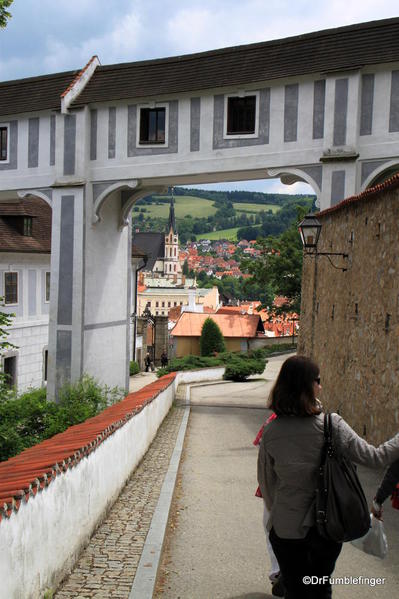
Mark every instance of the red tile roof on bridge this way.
pixel 22 476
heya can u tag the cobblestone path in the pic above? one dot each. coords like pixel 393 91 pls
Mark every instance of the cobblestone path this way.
pixel 106 568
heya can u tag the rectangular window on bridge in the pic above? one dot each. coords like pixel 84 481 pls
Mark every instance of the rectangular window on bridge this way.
pixel 4 143
pixel 153 129
pixel 241 112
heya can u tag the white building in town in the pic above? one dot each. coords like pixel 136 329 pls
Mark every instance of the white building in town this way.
pixel 25 244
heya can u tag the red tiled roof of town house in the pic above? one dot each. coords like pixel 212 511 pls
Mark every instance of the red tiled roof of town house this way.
pixel 231 310
pixel 391 183
pixel 279 301
pixel 28 473
pixel 243 308
pixel 141 287
pixel 231 325
pixel 174 313
pixel 12 216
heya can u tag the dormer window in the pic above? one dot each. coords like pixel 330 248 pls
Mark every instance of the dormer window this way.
pixel 153 125
pixel 3 143
pixel 27 226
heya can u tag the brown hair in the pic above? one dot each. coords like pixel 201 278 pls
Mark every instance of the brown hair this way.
pixel 293 392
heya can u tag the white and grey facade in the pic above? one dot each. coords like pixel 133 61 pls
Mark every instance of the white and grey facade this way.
pixel 325 117
pixel 26 362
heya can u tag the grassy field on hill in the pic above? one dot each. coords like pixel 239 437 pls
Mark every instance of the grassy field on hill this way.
pixel 230 234
pixel 255 207
pixel 184 205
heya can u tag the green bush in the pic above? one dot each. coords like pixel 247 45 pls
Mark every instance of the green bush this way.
pixel 28 419
pixel 134 368
pixel 240 366
pixel 212 340
pixel 191 363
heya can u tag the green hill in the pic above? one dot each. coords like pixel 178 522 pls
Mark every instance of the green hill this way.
pixel 184 206
pixel 253 208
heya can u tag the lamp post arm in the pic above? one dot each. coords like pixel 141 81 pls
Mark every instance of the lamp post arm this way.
pixel 332 254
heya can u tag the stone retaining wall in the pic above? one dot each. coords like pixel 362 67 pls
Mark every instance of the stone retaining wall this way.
pixel 350 320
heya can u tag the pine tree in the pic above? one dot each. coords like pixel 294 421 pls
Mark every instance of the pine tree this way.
pixel 211 340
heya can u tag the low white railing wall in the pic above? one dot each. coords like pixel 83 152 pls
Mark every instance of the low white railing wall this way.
pixel 41 541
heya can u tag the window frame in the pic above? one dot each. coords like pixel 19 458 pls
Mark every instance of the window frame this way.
pixel 47 287
pixel 28 226
pixel 7 159
pixel 10 272
pixel 241 94
pixel 11 356
pixel 152 144
pixel 45 365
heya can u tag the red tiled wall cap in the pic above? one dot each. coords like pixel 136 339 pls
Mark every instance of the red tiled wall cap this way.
pixel 22 476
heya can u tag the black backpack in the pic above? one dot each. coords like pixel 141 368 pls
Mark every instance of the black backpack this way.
pixel 342 513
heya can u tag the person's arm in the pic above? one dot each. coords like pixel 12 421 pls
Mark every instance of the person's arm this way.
pixel 361 452
pixel 266 476
pixel 388 484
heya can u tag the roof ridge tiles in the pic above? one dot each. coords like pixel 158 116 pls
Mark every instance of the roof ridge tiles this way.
pixel 22 476
pixel 230 49
pixel 48 76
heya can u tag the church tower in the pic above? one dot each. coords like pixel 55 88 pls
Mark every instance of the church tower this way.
pixel 172 268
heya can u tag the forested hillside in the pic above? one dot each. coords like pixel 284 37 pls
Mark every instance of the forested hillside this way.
pixel 244 214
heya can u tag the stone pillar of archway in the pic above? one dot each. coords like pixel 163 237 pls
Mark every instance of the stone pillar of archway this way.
pixel 89 329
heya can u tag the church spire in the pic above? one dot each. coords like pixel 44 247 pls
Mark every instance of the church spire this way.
pixel 172 219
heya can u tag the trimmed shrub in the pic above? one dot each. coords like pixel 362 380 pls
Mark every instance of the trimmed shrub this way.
pixel 29 418
pixel 190 363
pixel 134 368
pixel 241 366
pixel 212 340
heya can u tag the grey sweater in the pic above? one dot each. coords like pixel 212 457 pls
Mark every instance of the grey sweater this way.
pixel 289 456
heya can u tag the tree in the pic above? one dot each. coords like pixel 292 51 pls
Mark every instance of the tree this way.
pixel 211 340
pixel 280 264
pixel 4 14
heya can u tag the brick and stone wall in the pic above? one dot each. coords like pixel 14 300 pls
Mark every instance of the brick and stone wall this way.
pixel 350 320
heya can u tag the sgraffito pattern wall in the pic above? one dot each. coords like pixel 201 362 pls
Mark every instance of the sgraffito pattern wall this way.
pixel 350 320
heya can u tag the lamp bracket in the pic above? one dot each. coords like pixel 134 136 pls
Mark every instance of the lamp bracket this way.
pixel 328 255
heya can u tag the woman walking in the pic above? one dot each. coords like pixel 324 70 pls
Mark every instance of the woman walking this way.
pixel 288 462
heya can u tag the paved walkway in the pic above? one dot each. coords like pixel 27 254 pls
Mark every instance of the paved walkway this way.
pixel 140 380
pixel 216 548
pixel 106 568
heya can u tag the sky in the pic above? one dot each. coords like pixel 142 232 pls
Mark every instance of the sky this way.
pixel 46 36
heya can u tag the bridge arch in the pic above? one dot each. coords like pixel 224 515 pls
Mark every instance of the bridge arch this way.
pixel 382 171
pixel 312 176
pixel 43 194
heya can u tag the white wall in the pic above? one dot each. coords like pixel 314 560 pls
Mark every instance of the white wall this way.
pixel 41 541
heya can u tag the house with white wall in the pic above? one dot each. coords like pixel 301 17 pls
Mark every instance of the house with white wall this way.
pixel 25 244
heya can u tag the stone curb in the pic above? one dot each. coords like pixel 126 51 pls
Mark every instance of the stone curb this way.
pixel 146 574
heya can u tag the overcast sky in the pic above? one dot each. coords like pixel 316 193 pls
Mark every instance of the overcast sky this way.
pixel 46 36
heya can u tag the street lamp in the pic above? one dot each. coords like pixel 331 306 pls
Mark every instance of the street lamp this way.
pixel 309 230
